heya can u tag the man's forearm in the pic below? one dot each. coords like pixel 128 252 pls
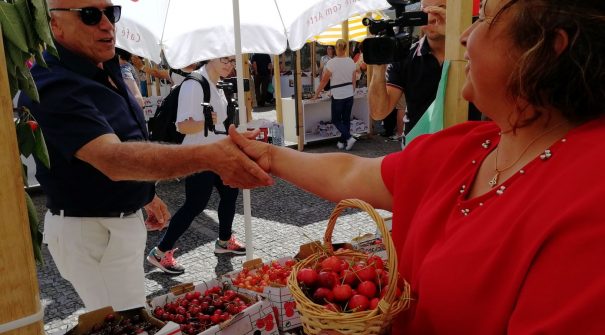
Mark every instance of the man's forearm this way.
pixel 151 161
pixel 378 98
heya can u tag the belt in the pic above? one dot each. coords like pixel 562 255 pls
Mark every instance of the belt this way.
pixel 91 213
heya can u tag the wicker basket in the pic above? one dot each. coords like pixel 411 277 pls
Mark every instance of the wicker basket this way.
pixel 316 318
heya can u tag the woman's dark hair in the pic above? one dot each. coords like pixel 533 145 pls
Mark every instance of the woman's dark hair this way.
pixel 123 54
pixel 572 81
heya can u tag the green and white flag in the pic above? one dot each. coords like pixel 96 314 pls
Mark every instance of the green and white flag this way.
pixel 432 120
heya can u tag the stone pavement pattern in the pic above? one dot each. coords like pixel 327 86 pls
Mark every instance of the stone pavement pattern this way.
pixel 283 217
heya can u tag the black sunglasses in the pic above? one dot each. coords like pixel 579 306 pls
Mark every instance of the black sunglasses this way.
pixel 91 16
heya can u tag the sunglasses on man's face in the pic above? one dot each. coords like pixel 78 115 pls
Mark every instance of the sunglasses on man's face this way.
pixel 91 16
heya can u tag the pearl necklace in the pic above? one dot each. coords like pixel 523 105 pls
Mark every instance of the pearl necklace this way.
pixel 494 181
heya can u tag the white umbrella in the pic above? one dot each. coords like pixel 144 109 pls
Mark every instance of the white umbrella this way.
pixel 192 30
pixel 188 31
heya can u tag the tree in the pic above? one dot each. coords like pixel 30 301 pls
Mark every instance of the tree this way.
pixel 25 34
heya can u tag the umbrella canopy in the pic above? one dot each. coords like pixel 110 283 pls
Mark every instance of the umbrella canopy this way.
pixel 189 31
pixel 357 31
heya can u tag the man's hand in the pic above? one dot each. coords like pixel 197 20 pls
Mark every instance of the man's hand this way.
pixel 157 214
pixel 235 167
pixel 436 18
pixel 260 152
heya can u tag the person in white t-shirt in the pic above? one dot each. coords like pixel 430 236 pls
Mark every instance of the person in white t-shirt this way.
pixel 198 187
pixel 340 71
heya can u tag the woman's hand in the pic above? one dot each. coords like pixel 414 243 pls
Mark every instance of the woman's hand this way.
pixel 258 151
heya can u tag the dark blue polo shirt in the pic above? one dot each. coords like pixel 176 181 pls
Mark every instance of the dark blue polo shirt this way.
pixel 418 76
pixel 77 105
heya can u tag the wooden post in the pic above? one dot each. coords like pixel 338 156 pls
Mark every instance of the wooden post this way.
pixel 277 89
pixel 345 34
pixel 19 284
pixel 313 64
pixel 149 78
pixel 248 95
pixel 158 83
pixel 299 104
pixel 459 15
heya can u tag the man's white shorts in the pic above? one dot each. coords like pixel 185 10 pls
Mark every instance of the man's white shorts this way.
pixel 101 257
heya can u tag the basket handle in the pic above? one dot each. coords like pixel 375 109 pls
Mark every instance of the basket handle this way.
pixel 389 296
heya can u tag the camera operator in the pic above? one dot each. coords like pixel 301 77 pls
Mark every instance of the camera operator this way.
pixel 417 76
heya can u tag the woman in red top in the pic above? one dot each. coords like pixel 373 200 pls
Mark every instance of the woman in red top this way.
pixel 499 226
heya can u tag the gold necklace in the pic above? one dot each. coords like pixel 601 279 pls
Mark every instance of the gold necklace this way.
pixel 494 181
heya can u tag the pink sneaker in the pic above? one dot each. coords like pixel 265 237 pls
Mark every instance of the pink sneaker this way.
pixel 232 246
pixel 166 263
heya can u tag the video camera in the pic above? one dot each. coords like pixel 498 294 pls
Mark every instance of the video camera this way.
pixel 229 87
pixel 233 82
pixel 389 45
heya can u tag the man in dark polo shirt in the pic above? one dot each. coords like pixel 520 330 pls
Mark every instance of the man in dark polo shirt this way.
pixel 101 166
pixel 417 76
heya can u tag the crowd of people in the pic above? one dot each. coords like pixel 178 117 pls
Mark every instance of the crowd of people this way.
pixel 496 223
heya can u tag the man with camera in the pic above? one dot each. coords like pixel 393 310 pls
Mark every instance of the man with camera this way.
pixel 417 75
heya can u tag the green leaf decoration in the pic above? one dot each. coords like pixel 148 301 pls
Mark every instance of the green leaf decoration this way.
pixel 30 33
pixel 24 174
pixel 41 20
pixel 14 56
pixel 25 26
pixel 35 231
pixel 40 151
pixel 12 25
pixel 40 58
pixel 25 138
pixel 26 82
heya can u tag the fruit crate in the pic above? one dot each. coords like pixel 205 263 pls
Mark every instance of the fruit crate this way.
pixel 96 320
pixel 278 294
pixel 256 319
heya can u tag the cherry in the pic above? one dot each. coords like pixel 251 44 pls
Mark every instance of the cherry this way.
pixel 328 279
pixel 322 295
pixel 307 277
pixel 342 292
pixel 367 288
pixel 331 263
pixel 33 125
pixel 359 303
pixel 374 303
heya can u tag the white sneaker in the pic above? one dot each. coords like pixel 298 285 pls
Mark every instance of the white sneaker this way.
pixel 350 142
pixel 340 145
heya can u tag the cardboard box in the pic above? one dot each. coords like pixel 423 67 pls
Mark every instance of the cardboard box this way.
pixel 87 321
pixel 370 244
pixel 257 319
pixel 279 296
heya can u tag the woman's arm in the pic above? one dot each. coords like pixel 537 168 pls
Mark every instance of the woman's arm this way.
pixel 324 81
pixel 333 176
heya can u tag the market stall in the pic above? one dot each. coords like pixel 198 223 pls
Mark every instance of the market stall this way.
pixel 316 118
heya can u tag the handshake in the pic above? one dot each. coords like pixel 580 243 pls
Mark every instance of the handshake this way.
pixel 241 161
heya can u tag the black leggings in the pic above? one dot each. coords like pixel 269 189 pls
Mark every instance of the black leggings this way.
pixel 198 189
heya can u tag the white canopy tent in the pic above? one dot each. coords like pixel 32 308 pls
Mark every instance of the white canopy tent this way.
pixel 189 31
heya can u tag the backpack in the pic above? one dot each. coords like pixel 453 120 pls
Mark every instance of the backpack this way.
pixel 162 126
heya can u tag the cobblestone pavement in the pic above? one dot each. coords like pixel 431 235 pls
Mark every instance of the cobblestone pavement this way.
pixel 283 217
